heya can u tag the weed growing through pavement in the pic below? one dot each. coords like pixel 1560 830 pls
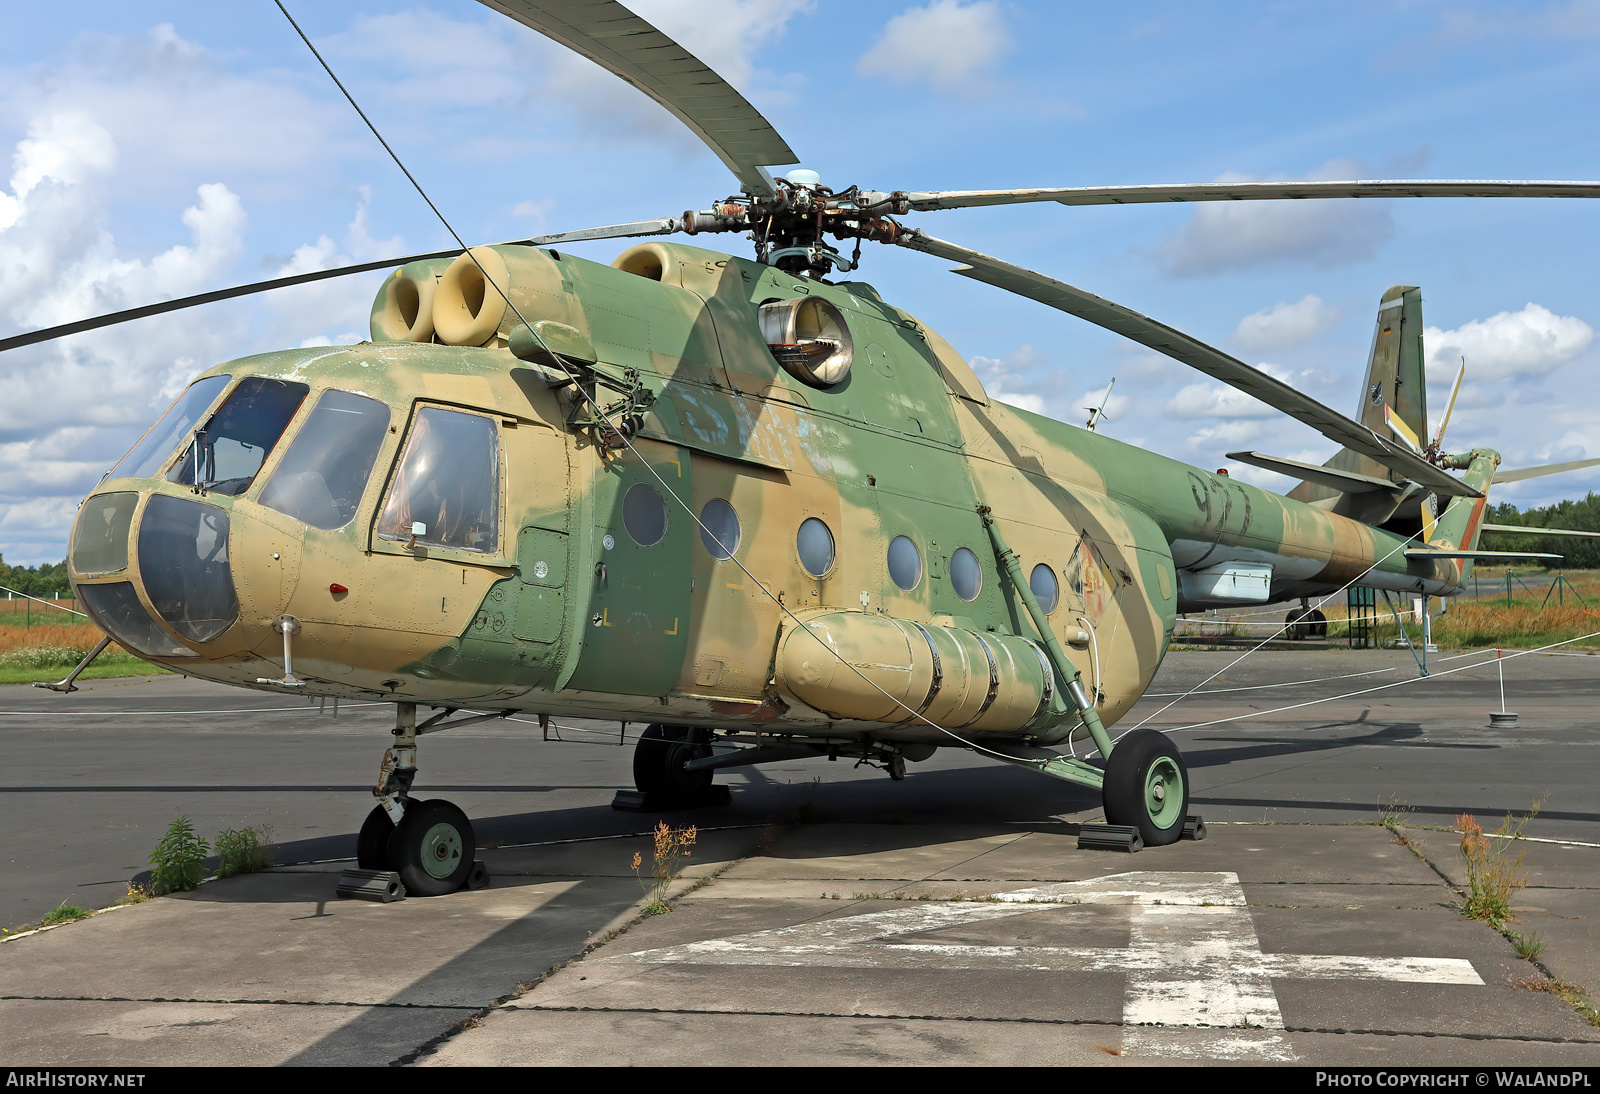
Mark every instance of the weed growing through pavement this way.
pixel 1571 994
pixel 1494 875
pixel 240 851
pixel 1528 946
pixel 178 862
pixel 671 845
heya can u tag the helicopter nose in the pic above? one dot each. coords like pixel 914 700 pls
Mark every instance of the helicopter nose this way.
pixel 176 555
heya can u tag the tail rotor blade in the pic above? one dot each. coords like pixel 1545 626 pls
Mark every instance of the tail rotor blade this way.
pixel 1438 437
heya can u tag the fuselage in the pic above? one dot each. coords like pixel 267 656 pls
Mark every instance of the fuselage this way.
pixel 446 529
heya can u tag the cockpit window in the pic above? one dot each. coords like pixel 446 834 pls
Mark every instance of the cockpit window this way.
pixel 447 491
pixel 153 451
pixel 237 438
pixel 321 478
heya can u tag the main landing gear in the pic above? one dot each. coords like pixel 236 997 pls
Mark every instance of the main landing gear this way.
pixel 1147 787
pixel 430 843
pixel 1305 622
pixel 660 774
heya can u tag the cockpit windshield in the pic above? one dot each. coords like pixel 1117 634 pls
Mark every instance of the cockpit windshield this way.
pixel 229 448
pixel 153 451
pixel 321 478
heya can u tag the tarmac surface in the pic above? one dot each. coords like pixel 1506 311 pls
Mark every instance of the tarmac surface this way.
pixel 828 915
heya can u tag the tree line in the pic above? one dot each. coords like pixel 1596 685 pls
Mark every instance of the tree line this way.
pixel 1581 516
pixel 46 579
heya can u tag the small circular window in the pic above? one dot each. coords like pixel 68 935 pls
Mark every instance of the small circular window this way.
pixel 1046 590
pixel 966 576
pixel 905 563
pixel 644 514
pixel 815 544
pixel 719 528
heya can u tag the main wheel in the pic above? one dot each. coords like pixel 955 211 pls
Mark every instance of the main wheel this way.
pixel 1147 786
pixel 372 845
pixel 1316 624
pixel 432 848
pixel 659 758
pixel 1291 623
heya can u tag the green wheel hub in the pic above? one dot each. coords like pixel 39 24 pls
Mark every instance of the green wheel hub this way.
pixel 441 850
pixel 1163 793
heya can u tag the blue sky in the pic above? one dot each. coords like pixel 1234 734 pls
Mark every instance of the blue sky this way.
pixel 154 150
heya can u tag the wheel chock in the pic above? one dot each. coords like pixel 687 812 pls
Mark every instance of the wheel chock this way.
pixel 379 886
pixel 477 877
pixel 1110 837
pixel 637 801
pixel 1193 827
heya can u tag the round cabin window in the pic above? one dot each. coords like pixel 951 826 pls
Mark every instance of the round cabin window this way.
pixel 905 563
pixel 815 544
pixel 966 576
pixel 719 528
pixel 809 337
pixel 1046 589
pixel 644 514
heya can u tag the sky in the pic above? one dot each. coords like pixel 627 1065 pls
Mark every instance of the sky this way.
pixel 155 150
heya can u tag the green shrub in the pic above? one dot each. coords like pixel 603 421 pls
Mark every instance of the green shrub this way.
pixel 178 862
pixel 240 852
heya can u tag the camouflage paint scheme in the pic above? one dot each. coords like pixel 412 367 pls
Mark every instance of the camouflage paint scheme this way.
pixel 908 444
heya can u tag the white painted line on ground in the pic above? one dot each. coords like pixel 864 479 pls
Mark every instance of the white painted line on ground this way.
pixel 1193 960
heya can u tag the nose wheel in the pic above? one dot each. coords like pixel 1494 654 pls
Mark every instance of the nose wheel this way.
pixel 432 848
pixel 430 844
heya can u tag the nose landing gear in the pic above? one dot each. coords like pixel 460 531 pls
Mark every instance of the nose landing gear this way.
pixel 430 844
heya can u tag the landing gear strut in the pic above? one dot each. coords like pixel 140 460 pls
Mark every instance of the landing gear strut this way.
pixel 430 844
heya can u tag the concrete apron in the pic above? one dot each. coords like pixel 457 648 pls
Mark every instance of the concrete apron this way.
pixel 1320 944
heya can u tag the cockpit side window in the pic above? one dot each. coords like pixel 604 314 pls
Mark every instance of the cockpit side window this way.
pixel 155 448
pixel 321 478
pixel 229 448
pixel 448 484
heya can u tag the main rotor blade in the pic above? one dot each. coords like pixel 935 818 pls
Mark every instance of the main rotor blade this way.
pixel 926 200
pixel 663 226
pixel 618 40
pixel 1192 352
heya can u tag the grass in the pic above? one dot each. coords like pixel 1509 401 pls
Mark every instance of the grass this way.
pixel 48 651
pixel 64 913
pixel 1528 946
pixel 240 851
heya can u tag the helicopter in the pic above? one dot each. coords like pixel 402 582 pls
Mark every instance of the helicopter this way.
pixel 742 501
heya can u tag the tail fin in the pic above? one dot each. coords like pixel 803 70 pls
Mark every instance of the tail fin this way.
pixel 1394 403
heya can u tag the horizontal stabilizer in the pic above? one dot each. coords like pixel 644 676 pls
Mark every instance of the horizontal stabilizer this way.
pixel 1481 556
pixel 1517 474
pixel 1520 530
pixel 1346 481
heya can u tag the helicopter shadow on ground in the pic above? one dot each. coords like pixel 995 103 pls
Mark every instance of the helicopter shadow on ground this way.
pixel 983 800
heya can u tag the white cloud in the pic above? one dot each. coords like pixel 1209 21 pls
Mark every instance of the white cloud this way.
pixel 946 44
pixel 1285 324
pixel 1223 437
pixel 1023 377
pixel 1530 342
pixel 1229 235
pixel 1208 400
